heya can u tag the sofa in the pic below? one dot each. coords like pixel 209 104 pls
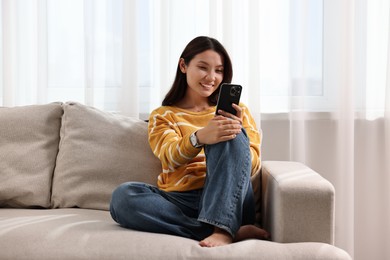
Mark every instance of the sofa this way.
pixel 60 162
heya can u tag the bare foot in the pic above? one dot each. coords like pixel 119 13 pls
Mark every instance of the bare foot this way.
pixel 219 238
pixel 251 232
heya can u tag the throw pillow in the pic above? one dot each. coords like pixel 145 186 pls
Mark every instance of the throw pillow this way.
pixel 29 137
pixel 98 151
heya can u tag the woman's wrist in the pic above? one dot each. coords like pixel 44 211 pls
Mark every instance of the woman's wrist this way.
pixel 200 136
pixel 195 140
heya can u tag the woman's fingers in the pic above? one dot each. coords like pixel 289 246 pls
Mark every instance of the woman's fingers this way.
pixel 238 116
pixel 219 129
pixel 228 129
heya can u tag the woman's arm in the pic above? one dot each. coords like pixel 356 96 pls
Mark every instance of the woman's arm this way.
pixel 255 138
pixel 167 142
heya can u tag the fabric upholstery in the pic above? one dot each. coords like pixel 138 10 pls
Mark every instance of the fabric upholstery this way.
pixel 91 234
pixel 98 151
pixel 298 203
pixel 90 153
pixel 28 148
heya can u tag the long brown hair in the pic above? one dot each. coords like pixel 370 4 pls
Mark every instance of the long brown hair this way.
pixel 194 47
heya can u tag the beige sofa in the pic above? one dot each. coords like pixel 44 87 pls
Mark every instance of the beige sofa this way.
pixel 59 164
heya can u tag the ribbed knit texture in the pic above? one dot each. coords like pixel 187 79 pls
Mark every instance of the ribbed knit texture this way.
pixel 184 166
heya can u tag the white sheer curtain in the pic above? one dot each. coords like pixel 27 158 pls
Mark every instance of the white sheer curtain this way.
pixel 347 139
pixel 316 76
pixel 56 50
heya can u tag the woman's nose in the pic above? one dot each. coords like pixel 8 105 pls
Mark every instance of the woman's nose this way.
pixel 211 75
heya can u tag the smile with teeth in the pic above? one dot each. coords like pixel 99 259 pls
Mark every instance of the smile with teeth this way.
pixel 208 86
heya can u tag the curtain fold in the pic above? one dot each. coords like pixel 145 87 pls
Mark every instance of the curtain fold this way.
pixel 8 52
pixel 42 52
pixel 129 96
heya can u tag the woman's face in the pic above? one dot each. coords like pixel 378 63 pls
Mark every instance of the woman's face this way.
pixel 204 73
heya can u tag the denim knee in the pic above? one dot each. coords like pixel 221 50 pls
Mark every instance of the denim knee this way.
pixel 122 200
pixel 117 199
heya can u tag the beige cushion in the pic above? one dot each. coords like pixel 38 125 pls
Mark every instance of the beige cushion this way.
pixel 29 138
pixel 92 234
pixel 98 151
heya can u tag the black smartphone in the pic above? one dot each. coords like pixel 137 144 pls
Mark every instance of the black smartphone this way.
pixel 228 94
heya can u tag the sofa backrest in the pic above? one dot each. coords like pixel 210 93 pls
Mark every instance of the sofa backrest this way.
pixel 70 155
pixel 28 149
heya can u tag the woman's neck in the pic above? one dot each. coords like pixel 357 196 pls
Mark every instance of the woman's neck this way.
pixel 198 105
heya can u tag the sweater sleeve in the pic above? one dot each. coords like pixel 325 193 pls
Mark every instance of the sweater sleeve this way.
pixel 254 136
pixel 167 142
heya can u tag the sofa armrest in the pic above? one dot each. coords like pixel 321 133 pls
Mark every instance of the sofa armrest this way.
pixel 297 204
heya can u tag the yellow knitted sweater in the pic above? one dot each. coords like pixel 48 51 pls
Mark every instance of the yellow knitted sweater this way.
pixel 184 166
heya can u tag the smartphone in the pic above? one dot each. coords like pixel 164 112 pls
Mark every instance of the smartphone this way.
pixel 228 94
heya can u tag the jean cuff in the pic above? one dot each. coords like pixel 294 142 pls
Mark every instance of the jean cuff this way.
pixel 218 225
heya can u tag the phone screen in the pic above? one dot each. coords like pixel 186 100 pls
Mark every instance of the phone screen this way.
pixel 228 94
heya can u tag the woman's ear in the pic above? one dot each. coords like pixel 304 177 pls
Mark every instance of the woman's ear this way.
pixel 182 65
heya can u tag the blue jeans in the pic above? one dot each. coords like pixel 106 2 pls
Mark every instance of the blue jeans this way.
pixel 226 200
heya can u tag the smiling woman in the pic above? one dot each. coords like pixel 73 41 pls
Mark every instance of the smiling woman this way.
pixel 314 73
pixel 203 199
pixel 204 75
pixel 209 65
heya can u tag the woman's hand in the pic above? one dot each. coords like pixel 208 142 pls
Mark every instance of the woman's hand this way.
pixel 223 127
pixel 219 129
pixel 238 116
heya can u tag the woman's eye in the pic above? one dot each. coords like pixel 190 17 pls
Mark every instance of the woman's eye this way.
pixel 219 71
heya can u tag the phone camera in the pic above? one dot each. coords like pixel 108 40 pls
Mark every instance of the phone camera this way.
pixel 234 91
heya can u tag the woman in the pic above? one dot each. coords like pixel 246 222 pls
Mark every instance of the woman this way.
pixel 204 191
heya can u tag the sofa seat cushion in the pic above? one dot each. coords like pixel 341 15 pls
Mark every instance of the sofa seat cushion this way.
pixel 29 137
pixel 98 151
pixel 92 234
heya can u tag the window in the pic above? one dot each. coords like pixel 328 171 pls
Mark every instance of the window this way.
pixel 85 51
pixel 276 47
pixel 287 58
